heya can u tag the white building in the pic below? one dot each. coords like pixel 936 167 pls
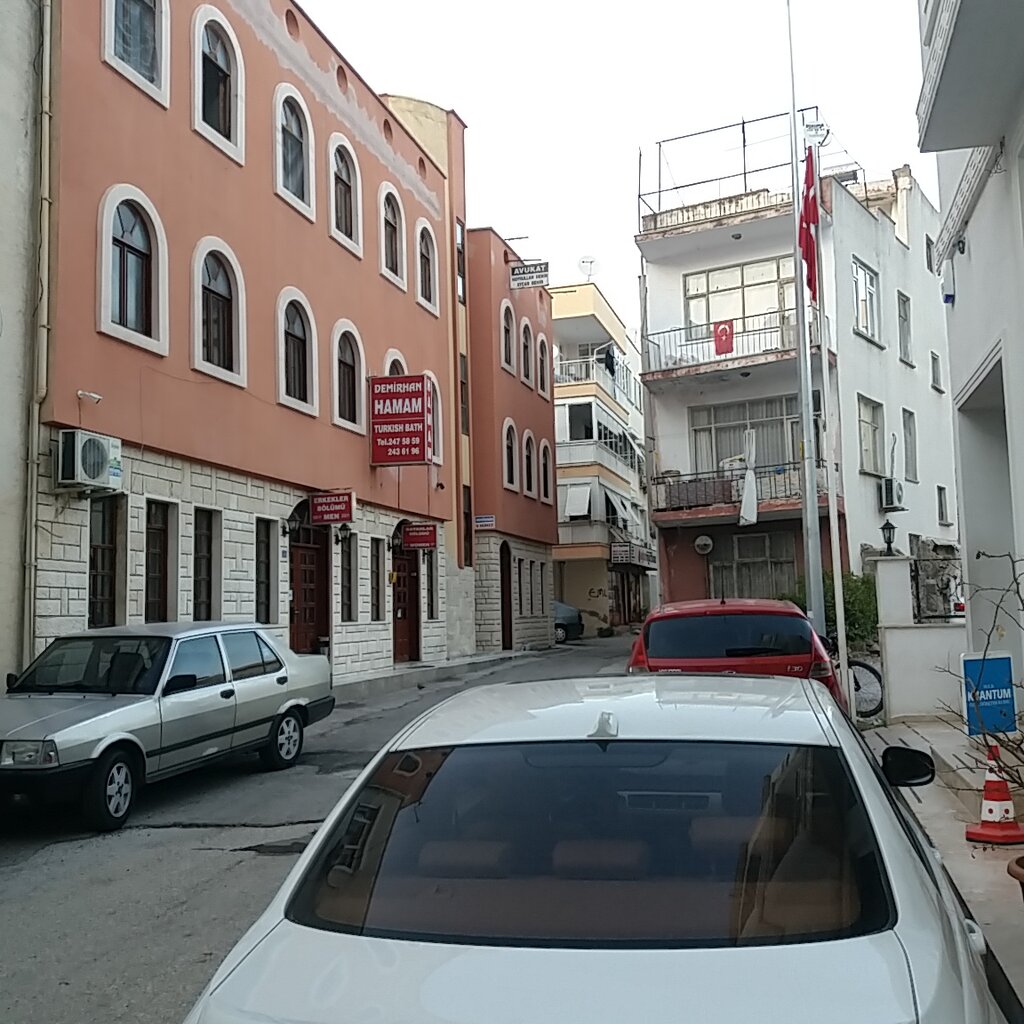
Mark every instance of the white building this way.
pixel 971 112
pixel 728 261
pixel 604 558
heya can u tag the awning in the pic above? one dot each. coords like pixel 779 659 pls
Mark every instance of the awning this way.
pixel 621 505
pixel 577 500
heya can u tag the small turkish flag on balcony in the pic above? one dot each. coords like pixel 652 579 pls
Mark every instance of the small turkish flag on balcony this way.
pixel 723 337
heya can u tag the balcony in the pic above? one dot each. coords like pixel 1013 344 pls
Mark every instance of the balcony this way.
pixel 687 351
pixel 973 75
pixel 715 497
pixel 592 531
pixel 619 457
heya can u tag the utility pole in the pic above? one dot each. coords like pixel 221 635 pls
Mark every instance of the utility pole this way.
pixel 814 586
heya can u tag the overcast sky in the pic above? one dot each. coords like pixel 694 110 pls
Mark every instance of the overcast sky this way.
pixel 559 97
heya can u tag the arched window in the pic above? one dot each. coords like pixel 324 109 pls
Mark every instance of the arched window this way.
pixel 392 236
pixel 217 112
pixel 344 195
pixel 542 366
pixel 508 334
pixel 511 458
pixel 528 466
pixel 427 269
pixel 395 368
pixel 296 353
pixel 348 378
pixel 293 150
pixel 218 315
pixel 131 282
pixel 545 471
pixel 526 367
pixel 435 420
pixel 136 42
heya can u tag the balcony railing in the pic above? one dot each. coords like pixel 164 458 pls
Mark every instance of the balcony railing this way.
pixel 679 492
pixel 594 531
pixel 616 455
pixel 623 387
pixel 684 347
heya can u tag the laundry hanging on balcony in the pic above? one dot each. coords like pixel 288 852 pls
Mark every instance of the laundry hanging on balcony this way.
pixel 748 503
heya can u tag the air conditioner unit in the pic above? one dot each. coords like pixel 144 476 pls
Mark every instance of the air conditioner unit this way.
pixel 890 495
pixel 87 462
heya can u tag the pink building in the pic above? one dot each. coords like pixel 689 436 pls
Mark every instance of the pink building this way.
pixel 244 232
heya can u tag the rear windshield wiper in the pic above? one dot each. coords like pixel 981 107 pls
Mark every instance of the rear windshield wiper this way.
pixel 751 652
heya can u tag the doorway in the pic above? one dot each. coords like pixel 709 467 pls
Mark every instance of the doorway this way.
pixel 505 558
pixel 406 601
pixel 310 573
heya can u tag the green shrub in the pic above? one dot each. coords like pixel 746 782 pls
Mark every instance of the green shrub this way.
pixel 860 602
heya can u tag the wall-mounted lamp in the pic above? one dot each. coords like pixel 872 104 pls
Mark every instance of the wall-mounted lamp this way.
pixel 341 533
pixel 89 396
pixel 888 535
pixel 291 525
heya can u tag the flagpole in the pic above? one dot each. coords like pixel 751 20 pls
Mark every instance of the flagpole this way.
pixel 814 587
pixel 830 435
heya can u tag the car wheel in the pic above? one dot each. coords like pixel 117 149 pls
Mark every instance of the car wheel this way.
pixel 110 792
pixel 285 742
pixel 560 634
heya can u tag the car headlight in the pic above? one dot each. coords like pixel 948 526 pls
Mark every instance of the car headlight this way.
pixel 28 754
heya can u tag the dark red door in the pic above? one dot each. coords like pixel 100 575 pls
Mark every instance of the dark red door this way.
pixel 506 597
pixel 310 574
pixel 406 605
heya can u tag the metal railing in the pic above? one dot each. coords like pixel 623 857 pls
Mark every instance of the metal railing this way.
pixel 596 531
pixel 684 347
pixel 623 386
pixel 679 492
pixel 616 455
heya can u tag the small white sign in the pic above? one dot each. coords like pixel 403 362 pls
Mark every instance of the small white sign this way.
pixel 530 275
pixel 484 522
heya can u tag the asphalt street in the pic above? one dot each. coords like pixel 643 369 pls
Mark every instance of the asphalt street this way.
pixel 130 926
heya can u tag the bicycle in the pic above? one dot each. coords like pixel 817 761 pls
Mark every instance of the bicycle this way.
pixel 867 682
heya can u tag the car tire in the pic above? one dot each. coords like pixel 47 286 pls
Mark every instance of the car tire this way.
pixel 285 744
pixel 560 634
pixel 109 795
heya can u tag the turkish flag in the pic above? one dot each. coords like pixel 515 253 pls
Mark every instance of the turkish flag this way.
pixel 809 227
pixel 723 337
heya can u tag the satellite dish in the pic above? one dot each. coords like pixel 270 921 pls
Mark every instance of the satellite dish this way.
pixel 703 545
pixel 588 266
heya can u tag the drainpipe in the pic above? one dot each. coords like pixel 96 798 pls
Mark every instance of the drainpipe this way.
pixel 41 347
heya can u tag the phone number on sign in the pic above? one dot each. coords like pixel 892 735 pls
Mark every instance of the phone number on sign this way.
pixel 398 453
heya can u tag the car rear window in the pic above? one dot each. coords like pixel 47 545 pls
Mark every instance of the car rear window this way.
pixel 602 844
pixel 727 636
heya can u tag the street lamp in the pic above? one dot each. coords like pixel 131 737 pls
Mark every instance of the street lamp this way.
pixel 888 535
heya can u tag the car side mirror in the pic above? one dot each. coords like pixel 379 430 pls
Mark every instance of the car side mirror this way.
pixel 12 678
pixel 180 684
pixel 904 766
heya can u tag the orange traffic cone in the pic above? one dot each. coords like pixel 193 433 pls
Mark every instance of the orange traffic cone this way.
pixel 998 823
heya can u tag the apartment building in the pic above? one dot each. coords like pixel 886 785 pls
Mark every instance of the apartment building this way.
pixel 604 558
pixel 511 418
pixel 721 368
pixel 971 113
pixel 258 235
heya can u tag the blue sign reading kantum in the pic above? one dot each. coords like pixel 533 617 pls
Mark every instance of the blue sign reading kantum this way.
pixel 990 703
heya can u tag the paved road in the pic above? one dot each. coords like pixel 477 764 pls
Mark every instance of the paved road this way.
pixel 129 927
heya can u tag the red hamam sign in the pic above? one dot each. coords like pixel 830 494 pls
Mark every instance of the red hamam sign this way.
pixel 400 416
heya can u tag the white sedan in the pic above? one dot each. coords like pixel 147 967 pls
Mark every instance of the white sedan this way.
pixel 650 850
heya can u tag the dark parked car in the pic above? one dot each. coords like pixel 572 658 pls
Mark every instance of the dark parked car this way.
pixel 568 622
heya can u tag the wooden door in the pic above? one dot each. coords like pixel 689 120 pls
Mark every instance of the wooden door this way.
pixel 310 575
pixel 406 605
pixel 506 597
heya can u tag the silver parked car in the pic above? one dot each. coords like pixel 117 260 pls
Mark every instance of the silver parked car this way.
pixel 99 713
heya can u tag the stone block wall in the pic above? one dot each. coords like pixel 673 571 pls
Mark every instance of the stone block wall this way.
pixel 532 623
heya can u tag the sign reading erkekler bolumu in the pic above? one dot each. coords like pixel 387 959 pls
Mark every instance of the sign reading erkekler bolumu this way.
pixel 400 416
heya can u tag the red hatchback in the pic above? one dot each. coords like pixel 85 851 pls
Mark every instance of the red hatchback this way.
pixel 734 637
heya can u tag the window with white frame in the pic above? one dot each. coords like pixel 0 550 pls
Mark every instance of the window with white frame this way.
pixel 218 87
pixel 392 236
pixel 460 260
pixel 545 472
pixel 942 497
pixel 754 565
pixel 718 431
pixel 936 371
pixel 349 373
pixel 297 347
pixel 759 295
pixel 511 456
pixel 543 371
pixel 426 267
pixel 508 337
pixel 529 465
pixel 136 42
pixel 903 314
pixel 436 419
pixel 910 446
pixel 865 300
pixel 133 261
pixel 526 354
pixel 346 195
pixel 219 319
pixel 294 140
pixel 871 426
pixel 929 254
